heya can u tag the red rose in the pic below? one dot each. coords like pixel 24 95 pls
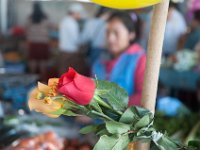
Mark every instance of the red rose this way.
pixel 76 87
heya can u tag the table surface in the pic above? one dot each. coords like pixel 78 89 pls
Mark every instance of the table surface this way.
pixel 185 80
pixel 21 78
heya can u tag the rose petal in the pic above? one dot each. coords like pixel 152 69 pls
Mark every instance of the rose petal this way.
pixel 43 88
pixel 67 77
pixel 80 97
pixel 71 73
pixel 33 93
pixel 84 83
pixel 76 87
pixel 64 80
pixel 52 81
pixel 41 106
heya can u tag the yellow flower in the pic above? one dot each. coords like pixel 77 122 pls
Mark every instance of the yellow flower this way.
pixel 126 4
pixel 40 98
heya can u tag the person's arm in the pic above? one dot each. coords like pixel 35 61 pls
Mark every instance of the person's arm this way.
pixel 135 99
pixel 85 35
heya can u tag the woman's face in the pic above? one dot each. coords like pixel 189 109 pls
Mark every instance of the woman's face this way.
pixel 118 37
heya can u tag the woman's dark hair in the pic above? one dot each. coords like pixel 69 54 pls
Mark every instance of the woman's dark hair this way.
pixel 130 24
pixel 38 15
pixel 173 4
pixel 197 15
pixel 102 10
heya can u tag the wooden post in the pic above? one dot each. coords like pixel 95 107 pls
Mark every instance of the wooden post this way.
pixel 154 53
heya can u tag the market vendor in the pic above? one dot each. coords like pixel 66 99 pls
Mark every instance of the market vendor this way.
pixel 126 64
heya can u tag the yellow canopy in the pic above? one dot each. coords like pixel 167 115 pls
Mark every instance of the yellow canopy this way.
pixel 126 4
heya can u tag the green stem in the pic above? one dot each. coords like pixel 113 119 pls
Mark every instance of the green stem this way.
pixel 103 103
pixel 130 132
pixel 102 115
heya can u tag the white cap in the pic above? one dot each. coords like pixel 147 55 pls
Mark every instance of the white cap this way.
pixel 76 8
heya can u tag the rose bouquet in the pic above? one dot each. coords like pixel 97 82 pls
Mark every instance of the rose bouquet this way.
pixel 75 95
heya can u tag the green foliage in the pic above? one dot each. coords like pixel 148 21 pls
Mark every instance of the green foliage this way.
pixel 112 142
pixel 114 95
pixel 120 125
pixel 89 129
pixel 194 145
pixel 114 127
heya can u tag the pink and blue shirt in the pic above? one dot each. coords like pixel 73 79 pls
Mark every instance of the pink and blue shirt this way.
pixel 127 71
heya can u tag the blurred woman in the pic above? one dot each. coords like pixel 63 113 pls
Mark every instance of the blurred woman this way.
pixel 37 33
pixel 126 64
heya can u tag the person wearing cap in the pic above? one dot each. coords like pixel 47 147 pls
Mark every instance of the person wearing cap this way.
pixel 69 38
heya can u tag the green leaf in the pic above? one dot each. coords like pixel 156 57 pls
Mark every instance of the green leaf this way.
pixel 163 142
pixel 112 143
pixel 96 106
pixel 193 132
pixel 133 114
pixel 102 132
pixel 89 129
pixel 122 143
pixel 68 104
pixel 142 112
pixel 96 114
pixel 64 112
pixel 129 116
pixel 116 96
pixel 59 112
pixel 195 145
pixel 143 122
pixel 70 113
pixel 105 143
pixel 114 127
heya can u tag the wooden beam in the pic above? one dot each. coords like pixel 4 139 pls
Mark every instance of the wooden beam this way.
pixel 154 54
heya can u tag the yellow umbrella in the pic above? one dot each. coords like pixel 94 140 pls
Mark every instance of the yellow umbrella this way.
pixel 126 4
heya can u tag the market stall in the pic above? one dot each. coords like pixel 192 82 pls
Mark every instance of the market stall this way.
pixel 185 80
pixel 119 127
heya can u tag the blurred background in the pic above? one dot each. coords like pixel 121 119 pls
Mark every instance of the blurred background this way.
pixel 41 39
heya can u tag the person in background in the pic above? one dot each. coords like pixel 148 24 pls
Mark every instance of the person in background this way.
pixel 94 34
pixel 37 33
pixel 197 49
pixel 69 34
pixel 126 64
pixel 191 5
pixel 175 28
pixel 1 60
pixel 198 92
pixel 194 36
